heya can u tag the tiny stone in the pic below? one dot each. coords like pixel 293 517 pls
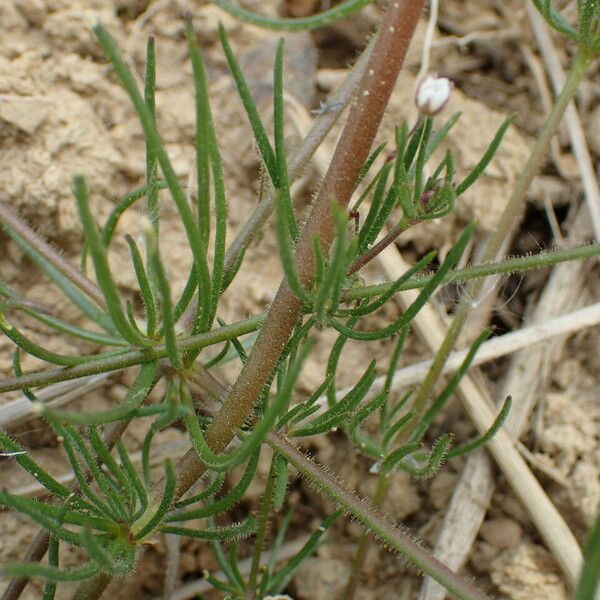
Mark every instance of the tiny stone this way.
pixel 501 533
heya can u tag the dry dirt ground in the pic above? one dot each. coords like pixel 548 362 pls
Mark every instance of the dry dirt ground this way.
pixel 61 111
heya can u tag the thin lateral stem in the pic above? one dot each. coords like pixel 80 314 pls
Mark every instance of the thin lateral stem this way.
pixel 133 357
pixel 17 225
pixel 507 266
pixel 373 521
pixel 380 246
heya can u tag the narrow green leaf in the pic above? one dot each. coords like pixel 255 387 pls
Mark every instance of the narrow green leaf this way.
pixel 207 149
pixel 260 135
pixel 110 226
pixel 224 533
pixel 279 581
pixel 281 481
pixel 133 477
pixel 151 164
pixel 342 408
pixel 151 134
pixel 426 420
pixel 222 504
pixel 322 19
pixel 164 290
pixel 366 309
pixel 103 273
pixel 590 572
pixel 286 254
pixel 135 396
pixel 484 161
pixel 414 308
pixel 210 491
pixel 488 435
pixel 21 456
pixel 366 231
pixel 144 283
pixel 280 154
pixel 164 505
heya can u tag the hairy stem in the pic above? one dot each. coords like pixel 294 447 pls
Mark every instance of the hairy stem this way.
pixel 374 522
pixel 13 223
pixel 121 360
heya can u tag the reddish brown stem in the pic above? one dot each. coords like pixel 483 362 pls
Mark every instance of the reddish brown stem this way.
pixel 371 253
pixel 15 224
pixel 349 157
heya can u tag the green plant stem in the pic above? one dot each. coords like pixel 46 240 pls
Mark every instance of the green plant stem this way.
pixel 510 265
pixel 508 220
pixel 383 484
pixel 263 521
pixel 133 357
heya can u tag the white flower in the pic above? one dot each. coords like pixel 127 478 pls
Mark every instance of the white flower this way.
pixel 432 94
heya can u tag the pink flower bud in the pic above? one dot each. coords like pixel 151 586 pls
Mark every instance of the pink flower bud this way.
pixel 432 94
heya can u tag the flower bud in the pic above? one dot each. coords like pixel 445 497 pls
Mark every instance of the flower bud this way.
pixel 432 94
